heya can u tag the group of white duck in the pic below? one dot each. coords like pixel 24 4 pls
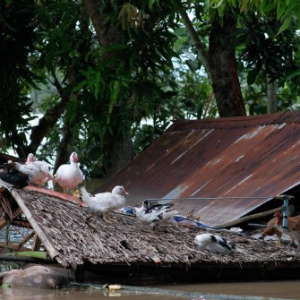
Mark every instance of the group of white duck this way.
pixel 69 176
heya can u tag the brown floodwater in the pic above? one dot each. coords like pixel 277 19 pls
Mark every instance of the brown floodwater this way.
pixel 217 291
pixel 275 289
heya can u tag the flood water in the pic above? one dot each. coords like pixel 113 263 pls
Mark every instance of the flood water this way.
pixel 228 291
pixel 275 289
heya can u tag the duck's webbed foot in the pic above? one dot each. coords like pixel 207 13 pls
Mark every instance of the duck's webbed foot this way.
pixel 107 219
pixel 278 243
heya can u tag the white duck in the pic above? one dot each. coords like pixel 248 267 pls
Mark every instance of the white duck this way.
pixel 214 243
pixel 15 174
pixel 69 176
pixel 105 202
pixel 154 214
pixel 41 170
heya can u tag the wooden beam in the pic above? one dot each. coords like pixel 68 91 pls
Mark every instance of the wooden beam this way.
pixel 38 230
pixel 251 217
pixel 36 243
pixel 27 238
pixel 23 224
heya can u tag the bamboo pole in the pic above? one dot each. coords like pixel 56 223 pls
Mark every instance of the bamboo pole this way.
pixel 251 217
pixel 26 260
pixel 51 250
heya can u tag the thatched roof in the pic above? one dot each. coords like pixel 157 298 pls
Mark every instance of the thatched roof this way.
pixel 62 228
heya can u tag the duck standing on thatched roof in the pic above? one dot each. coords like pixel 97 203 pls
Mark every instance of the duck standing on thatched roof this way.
pixel 41 170
pixel 69 176
pixel 15 174
pixel 153 214
pixel 105 202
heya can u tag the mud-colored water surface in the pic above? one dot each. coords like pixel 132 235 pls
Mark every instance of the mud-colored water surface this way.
pixel 275 289
pixel 213 291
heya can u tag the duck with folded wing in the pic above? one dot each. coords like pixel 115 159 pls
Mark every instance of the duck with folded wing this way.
pixel 69 176
pixel 15 174
pixel 104 202
pixel 214 243
pixel 41 170
pixel 153 214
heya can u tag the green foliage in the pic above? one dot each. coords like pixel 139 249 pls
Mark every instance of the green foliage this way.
pixel 131 15
pixel 17 42
pixel 152 72
pixel 264 50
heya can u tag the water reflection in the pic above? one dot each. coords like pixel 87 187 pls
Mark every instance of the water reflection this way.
pixel 32 294
pixel 276 289
pixel 240 289
pixel 28 294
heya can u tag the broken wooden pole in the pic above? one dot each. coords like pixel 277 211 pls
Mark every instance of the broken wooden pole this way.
pixel 36 243
pixel 251 217
pixel 27 238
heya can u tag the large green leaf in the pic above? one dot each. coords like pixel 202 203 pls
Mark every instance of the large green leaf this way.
pixel 114 95
pixel 285 24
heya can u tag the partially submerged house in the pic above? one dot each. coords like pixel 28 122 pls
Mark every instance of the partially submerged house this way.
pixel 220 169
pixel 126 247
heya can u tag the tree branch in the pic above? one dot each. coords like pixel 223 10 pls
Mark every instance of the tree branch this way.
pixel 48 120
pixel 195 39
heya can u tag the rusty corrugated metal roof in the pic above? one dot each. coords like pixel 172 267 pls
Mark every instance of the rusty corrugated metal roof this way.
pixel 230 157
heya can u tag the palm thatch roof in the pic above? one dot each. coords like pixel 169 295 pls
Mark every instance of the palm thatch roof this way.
pixel 71 241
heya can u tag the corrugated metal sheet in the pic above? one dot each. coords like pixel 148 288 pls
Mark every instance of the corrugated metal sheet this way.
pixel 232 157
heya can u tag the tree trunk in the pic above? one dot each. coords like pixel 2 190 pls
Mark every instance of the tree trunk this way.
pixel 120 151
pixel 64 149
pixel 107 35
pixel 224 74
pixel 272 96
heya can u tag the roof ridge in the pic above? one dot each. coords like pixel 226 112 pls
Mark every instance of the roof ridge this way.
pixel 236 122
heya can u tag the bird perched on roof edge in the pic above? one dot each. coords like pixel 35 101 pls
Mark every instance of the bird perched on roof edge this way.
pixel 69 175
pixel 15 174
pixel 41 170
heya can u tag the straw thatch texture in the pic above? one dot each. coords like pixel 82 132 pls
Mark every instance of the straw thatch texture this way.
pixel 126 242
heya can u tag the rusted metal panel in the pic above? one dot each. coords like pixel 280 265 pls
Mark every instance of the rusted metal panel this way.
pixel 232 157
